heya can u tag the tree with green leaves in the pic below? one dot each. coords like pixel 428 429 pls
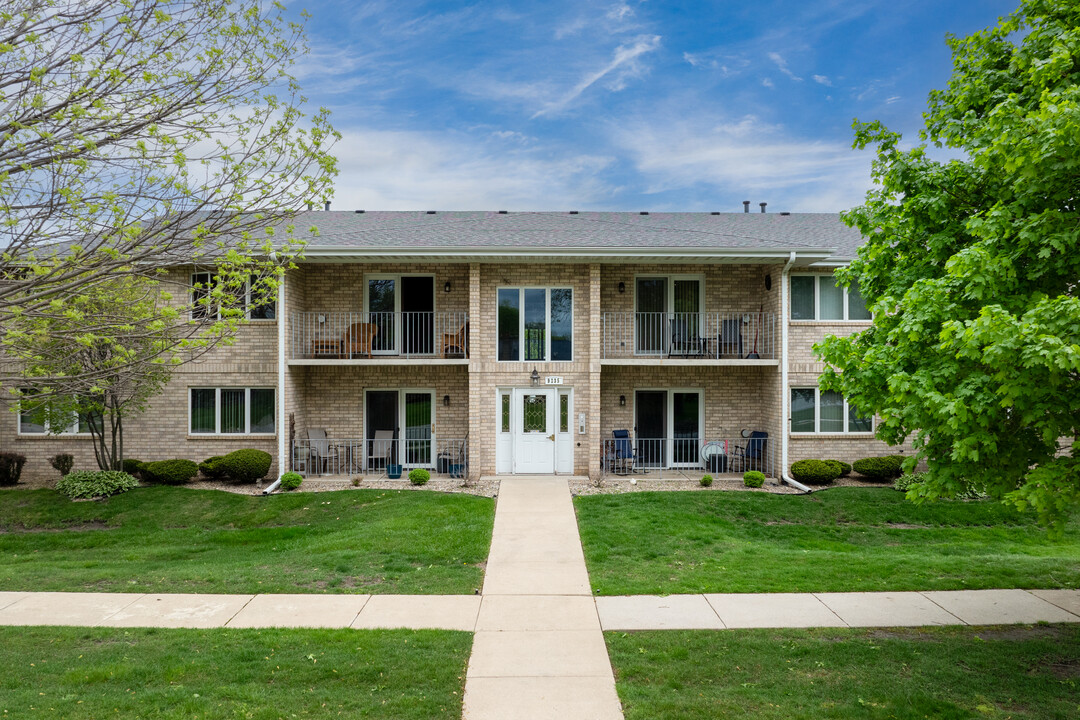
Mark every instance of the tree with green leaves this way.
pixel 971 267
pixel 136 136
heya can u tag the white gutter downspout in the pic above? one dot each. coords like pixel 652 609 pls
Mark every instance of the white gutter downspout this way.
pixel 282 424
pixel 785 393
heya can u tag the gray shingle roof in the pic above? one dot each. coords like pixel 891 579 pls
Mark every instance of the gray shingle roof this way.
pixel 348 230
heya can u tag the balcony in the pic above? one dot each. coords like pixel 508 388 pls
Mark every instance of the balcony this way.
pixel 379 337
pixel 686 457
pixel 688 338
pixel 377 457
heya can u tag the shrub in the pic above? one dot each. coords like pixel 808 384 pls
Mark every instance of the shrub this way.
pixel 814 472
pixel 753 479
pixel 62 462
pixel 879 469
pixel 291 480
pixel 11 465
pixel 845 469
pixel 170 472
pixel 247 465
pixel 97 483
pixel 908 480
pixel 211 467
pixel 706 480
pixel 419 476
pixel 133 467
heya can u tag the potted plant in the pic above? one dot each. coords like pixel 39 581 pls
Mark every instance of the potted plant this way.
pixel 393 471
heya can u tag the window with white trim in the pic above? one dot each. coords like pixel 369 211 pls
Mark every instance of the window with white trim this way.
pixel 35 419
pixel 821 297
pixel 535 324
pixel 202 284
pixel 825 411
pixel 231 411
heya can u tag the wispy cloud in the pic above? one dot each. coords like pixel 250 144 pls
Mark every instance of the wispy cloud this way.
pixel 620 12
pixel 623 65
pixel 822 80
pixel 767 83
pixel 726 64
pixel 782 66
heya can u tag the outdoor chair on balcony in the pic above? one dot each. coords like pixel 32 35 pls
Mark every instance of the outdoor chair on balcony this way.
pixel 321 454
pixel 621 453
pixel 751 456
pixel 730 340
pixel 686 340
pixel 456 344
pixel 358 339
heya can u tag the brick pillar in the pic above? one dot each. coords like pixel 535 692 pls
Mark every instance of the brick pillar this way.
pixel 479 405
pixel 592 433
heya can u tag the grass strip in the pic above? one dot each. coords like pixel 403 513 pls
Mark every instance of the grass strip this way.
pixel 167 539
pixel 906 674
pixel 844 539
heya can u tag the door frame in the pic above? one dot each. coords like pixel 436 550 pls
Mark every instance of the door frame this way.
pixel 511 446
pixel 396 277
pixel 669 305
pixel 669 420
pixel 402 392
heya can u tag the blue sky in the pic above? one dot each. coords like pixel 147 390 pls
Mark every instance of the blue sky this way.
pixel 613 105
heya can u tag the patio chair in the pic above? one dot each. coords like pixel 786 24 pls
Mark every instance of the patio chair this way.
pixel 358 339
pixel 456 343
pixel 686 339
pixel 321 454
pixel 459 464
pixel 622 452
pixel 382 450
pixel 751 456
pixel 731 343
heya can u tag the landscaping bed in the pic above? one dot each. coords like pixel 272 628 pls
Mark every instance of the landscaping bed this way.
pixel 219 674
pixel 841 539
pixel 908 674
pixel 168 539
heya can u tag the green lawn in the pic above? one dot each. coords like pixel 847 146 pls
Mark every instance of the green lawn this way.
pixel 843 539
pixel 902 674
pixel 165 539
pixel 208 674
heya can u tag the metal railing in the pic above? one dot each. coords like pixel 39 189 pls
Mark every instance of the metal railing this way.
pixel 704 335
pixel 441 456
pixel 685 457
pixel 337 335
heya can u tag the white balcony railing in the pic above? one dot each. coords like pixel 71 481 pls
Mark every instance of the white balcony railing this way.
pixel 707 336
pixel 352 335
pixel 350 456
pixel 686 457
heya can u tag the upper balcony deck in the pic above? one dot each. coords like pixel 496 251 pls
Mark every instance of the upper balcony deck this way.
pixel 329 338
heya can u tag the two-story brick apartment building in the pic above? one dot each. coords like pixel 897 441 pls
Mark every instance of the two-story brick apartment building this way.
pixel 496 342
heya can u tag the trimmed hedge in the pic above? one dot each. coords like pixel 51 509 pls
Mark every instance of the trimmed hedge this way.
pixel 170 472
pixel 133 467
pixel 97 483
pixel 291 480
pixel 879 469
pixel 845 469
pixel 419 476
pixel 11 465
pixel 815 472
pixel 753 479
pixel 246 466
pixel 706 480
pixel 62 462
pixel 211 467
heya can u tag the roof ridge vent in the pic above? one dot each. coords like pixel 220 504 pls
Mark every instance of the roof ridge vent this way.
pixel 430 212
pixel 502 212
pixel 643 212
pixel 360 212
pixel 714 213
pixel 573 212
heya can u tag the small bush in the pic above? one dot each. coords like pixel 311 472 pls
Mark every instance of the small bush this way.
pixel 753 479
pixel 212 467
pixel 419 476
pixel 11 465
pixel 357 480
pixel 246 466
pixel 908 480
pixel 170 472
pixel 62 462
pixel 291 480
pixel 98 483
pixel 133 467
pixel 814 472
pixel 706 480
pixel 879 469
pixel 845 469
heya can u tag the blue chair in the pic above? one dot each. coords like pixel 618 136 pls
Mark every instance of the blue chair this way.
pixel 622 454
pixel 752 455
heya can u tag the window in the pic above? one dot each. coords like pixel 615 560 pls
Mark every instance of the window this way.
pixel 35 419
pixel 535 324
pixel 824 411
pixel 202 284
pixel 232 411
pixel 819 297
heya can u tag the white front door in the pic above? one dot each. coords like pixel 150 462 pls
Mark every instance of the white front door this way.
pixel 534 440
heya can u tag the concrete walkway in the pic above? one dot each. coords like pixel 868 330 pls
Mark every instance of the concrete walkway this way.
pixel 538 652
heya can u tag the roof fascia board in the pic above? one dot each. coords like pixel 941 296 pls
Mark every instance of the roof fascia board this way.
pixel 627 254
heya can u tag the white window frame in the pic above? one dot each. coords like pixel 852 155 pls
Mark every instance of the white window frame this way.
pixel 817 417
pixel 817 301
pixel 72 429
pixel 214 313
pixel 217 412
pixel 547 319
